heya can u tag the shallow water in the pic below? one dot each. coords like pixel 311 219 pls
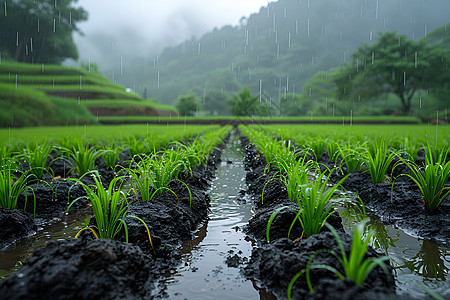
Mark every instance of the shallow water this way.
pixel 421 266
pixel 67 225
pixel 204 272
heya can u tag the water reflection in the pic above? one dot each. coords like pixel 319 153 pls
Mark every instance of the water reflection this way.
pixel 429 262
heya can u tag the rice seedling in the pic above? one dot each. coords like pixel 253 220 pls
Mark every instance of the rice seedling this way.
pixel 7 156
pixel 317 145
pixel 157 171
pixel 291 172
pixel 378 159
pixel 36 156
pixel 333 150
pixel 111 155
pixel 431 178
pixel 12 186
pixel 83 157
pixel 137 147
pixel 313 199
pixel 355 265
pixel 351 157
pixel 110 209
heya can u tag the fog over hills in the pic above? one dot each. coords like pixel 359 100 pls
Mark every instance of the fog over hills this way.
pixel 275 50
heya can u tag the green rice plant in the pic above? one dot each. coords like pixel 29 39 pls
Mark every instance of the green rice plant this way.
pixel 110 208
pixel 111 155
pixel 291 172
pixel 355 264
pixel 378 159
pixel 83 157
pixel 12 186
pixel 137 146
pixel 7 156
pixel 314 205
pixel 317 145
pixel 431 178
pixel 158 171
pixel 36 156
pixel 351 157
pixel 333 150
pixel 193 153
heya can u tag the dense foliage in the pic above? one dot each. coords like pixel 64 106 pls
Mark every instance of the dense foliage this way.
pixel 39 31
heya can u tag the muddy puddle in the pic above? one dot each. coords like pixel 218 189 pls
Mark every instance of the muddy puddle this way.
pixel 211 262
pixel 421 266
pixel 62 227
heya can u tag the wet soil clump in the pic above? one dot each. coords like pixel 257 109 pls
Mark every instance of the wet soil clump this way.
pixel 15 224
pixel 83 269
pixel 406 210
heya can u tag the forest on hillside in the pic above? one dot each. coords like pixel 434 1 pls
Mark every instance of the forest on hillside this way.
pixel 275 51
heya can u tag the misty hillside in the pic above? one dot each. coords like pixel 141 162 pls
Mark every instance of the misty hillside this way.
pixel 276 50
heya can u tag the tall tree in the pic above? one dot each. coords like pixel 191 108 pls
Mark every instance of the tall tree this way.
pixel 187 105
pixel 39 31
pixel 246 104
pixel 393 65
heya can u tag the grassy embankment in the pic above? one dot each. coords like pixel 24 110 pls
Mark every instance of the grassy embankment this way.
pixel 38 95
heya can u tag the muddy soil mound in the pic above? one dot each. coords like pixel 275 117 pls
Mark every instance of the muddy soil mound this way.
pixel 84 269
pixel 15 224
pixel 172 219
pixel 51 198
pixel 274 265
pixel 169 219
pixel 406 210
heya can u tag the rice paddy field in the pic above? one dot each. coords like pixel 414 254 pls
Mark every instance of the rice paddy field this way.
pixel 282 211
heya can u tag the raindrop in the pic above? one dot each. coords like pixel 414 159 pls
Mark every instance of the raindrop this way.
pixel 38 25
pixel 260 90
pixel 308 27
pixel 278 51
pixel 70 18
pixel 17 39
pixel 420 103
pixel 158 79
pixel 285 12
pixel 199 47
pixel 5 10
pixel 289 39
pixel 371 35
pixel 415 60
pixel 296 27
pixel 54 25
pixel 121 65
pixel 404 78
pixel 373 57
pixel 287 83
pixel 80 81
pixel 376 11
pixel 31 44
pixel 426 30
pixel 16 81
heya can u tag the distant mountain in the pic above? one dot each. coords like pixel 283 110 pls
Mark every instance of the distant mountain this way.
pixel 276 50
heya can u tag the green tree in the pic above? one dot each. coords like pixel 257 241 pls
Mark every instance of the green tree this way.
pixel 394 65
pixel 294 105
pixel 39 31
pixel 246 104
pixel 187 105
pixel 216 102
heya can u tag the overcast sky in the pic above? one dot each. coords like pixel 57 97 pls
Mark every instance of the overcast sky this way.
pixel 145 27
